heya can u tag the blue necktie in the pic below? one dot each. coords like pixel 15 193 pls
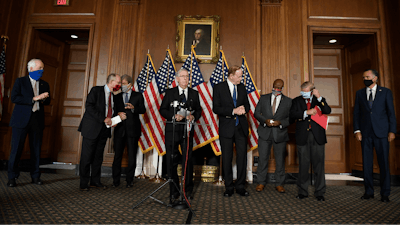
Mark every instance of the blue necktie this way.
pixel 184 97
pixel 126 98
pixel 370 100
pixel 234 102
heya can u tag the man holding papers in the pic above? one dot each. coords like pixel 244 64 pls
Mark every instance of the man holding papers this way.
pixel 310 139
pixel 100 109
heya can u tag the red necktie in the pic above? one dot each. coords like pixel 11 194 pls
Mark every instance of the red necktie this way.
pixel 308 104
pixel 109 112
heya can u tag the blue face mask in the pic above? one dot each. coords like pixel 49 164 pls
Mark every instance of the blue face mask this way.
pixel 36 75
pixel 306 95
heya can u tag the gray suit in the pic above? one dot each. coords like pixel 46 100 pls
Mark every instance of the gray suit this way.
pixel 272 136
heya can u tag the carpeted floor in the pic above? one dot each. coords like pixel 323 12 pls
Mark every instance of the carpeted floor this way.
pixel 59 201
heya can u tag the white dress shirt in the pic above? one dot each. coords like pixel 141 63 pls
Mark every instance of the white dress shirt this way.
pixel 368 90
pixel 34 86
pixel 278 100
pixel 107 93
pixel 185 91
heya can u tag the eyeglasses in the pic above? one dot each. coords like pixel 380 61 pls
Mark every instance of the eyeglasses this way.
pixel 184 76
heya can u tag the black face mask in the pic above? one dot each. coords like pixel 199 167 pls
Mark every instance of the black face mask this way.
pixel 368 82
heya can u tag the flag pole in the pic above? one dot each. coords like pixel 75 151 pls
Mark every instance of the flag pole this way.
pixel 191 65
pixel 4 38
pixel 142 175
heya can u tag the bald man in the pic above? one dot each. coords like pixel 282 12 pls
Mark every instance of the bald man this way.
pixel 272 111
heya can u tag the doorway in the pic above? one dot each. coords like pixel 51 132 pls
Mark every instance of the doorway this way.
pixel 338 62
pixel 64 53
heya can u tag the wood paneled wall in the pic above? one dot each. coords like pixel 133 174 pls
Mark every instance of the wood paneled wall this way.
pixel 274 35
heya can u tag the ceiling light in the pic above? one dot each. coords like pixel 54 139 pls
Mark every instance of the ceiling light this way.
pixel 74 36
pixel 332 41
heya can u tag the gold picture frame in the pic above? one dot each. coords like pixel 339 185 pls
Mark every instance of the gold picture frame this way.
pixel 202 31
pixel 61 2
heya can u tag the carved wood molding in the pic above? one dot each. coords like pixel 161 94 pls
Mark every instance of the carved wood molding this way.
pixel 129 2
pixel 271 2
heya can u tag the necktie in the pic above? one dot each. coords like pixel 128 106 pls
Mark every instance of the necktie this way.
pixel 126 98
pixel 183 97
pixel 308 104
pixel 274 106
pixel 234 102
pixel 109 112
pixel 35 91
pixel 370 99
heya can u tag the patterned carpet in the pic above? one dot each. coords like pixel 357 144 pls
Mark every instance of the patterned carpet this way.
pixel 59 201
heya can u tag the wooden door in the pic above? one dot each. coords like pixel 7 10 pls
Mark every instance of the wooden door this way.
pixel 328 74
pixel 360 56
pixel 72 102
pixel 50 51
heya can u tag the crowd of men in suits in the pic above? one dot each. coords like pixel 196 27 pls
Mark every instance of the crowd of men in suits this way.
pixel 374 126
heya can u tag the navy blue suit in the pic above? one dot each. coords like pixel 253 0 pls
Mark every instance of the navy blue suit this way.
pixel 375 124
pixel 23 122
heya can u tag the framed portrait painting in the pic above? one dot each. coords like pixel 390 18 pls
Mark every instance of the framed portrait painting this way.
pixel 200 31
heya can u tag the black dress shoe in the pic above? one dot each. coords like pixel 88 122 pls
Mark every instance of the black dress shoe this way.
pixel 12 183
pixel 116 184
pixel 84 188
pixel 98 185
pixel 37 181
pixel 300 196
pixel 242 192
pixel 228 193
pixel 129 184
pixel 385 199
pixel 320 198
pixel 365 197
pixel 189 195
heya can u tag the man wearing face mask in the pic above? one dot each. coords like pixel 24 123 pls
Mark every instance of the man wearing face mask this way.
pixel 374 124
pixel 272 111
pixel 30 94
pixel 127 133
pixel 310 139
pixel 100 108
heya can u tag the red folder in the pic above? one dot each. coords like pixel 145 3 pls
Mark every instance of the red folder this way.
pixel 320 118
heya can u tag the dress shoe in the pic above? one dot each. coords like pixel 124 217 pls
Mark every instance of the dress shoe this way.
pixel 365 197
pixel 37 181
pixel 260 187
pixel 228 193
pixel 12 183
pixel 320 198
pixel 300 196
pixel 129 184
pixel 242 192
pixel 280 189
pixel 116 184
pixel 189 195
pixel 98 185
pixel 84 188
pixel 385 199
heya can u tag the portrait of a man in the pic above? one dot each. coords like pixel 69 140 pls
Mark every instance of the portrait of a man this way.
pixel 199 36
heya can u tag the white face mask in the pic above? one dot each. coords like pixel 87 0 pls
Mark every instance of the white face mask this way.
pixel 306 95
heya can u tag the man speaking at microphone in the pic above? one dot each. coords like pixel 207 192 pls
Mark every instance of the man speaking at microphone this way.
pixel 186 99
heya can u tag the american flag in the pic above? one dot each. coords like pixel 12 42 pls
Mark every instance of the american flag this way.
pixel 146 141
pixel 254 96
pixel 2 75
pixel 207 130
pixel 164 80
pixel 219 74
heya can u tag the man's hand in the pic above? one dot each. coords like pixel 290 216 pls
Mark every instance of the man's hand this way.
pixel 129 106
pixel 276 123
pixel 108 121
pixel 122 115
pixel 190 117
pixel 358 136
pixel 391 136
pixel 179 117
pixel 311 111
pixel 41 96
pixel 239 110
pixel 316 93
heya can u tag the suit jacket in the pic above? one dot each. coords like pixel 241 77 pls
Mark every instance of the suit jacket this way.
pixel 263 111
pixel 381 119
pixel 167 111
pixel 223 106
pixel 131 126
pixel 296 113
pixel 22 95
pixel 95 113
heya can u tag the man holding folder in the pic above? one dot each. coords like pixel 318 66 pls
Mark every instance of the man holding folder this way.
pixel 310 139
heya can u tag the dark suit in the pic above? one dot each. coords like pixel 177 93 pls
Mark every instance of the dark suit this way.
pixel 272 136
pixel 24 121
pixel 167 112
pixel 310 144
pixel 127 133
pixel 229 133
pixel 95 134
pixel 375 124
